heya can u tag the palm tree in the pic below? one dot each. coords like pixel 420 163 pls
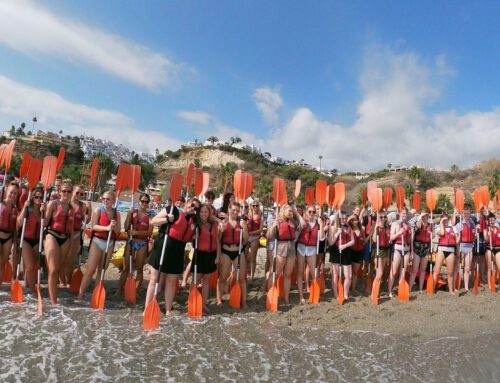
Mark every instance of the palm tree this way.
pixel 320 158
pixel 212 139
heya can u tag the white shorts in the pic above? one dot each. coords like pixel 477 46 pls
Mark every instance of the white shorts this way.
pixel 253 238
pixel 466 248
pixel 400 248
pixel 306 251
pixel 270 245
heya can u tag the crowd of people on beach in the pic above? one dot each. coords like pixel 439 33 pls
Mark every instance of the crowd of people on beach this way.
pixel 368 247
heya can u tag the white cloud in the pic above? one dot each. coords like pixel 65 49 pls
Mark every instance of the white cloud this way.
pixel 200 118
pixel 31 29
pixel 268 102
pixel 54 113
pixel 392 124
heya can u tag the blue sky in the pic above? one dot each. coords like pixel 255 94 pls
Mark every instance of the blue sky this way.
pixel 363 83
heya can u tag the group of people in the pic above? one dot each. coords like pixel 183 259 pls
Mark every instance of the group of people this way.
pixel 227 240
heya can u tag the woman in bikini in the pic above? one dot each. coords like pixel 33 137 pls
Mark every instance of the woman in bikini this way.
pixel 59 226
pixel 105 224
pixel 422 250
pixel 140 231
pixel 492 241
pixel 255 224
pixel 401 237
pixel 32 212
pixel 448 240
pixel 234 230
pixel 8 234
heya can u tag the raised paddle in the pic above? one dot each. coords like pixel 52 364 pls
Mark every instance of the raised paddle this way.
pixel 25 164
pixel 387 197
pixel 400 197
pixel 296 193
pixel 376 200
pixel 151 319
pixel 339 195
pixel 417 201
pixel 320 192
pixel 93 175
pixel 33 175
pixel 134 179
pixel 189 178
pixel 195 304
pixel 237 184
pixel 49 170
pixel 198 182
pixel 60 158
pixel 99 294
pixel 364 197
pixel 309 196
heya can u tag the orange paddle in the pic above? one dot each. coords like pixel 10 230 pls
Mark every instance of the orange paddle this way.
pixel 60 158
pixel 49 170
pixel 320 192
pixel 206 182
pixel 212 284
pixel 296 193
pixel 400 197
pixel 364 196
pixel 99 294
pixel 151 319
pixel 339 195
pixel 279 191
pixel 93 175
pixel 330 196
pixel 25 164
pixel 387 197
pixel 195 309
pixel 459 200
pixel 430 281
pixel 237 184
pixel 198 182
pixel 376 200
pixel 134 179
pixel 309 194
pixel 431 200
pixel 404 288
pixel 417 201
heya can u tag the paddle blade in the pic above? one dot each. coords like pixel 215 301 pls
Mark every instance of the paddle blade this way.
pixel 2 154
pixel 431 199
pixel 151 319
pixel 403 291
pixel 25 164
pixel 368 283
pixel 375 290
pixel 34 172
pixel 458 282
pixel 322 283
pixel 206 182
pixel 364 197
pixel 376 199
pixel 198 182
pixel 39 306
pixel 485 196
pixel 279 191
pixel 7 274
pixel 76 281
pixel 93 173
pixel 475 289
pixel 370 186
pixel 134 178
pixel 314 292
pixel 237 184
pixel 16 291
pixel 417 200
pixel 122 178
pixel 309 194
pixel 493 287
pixel 212 283
pixel 235 296
pixel 49 171
pixel 272 299
pixel 400 197
pixel 60 158
pixel 176 182
pixel 296 193
pixel 130 290
pixel 98 297
pixel 339 195
pixel 195 309
pixel 430 284
pixel 330 195
pixel 340 290
pixel 189 176
pixel 387 197
pixel 320 192
pixel 497 200
pixel 478 203
pixel 246 186
pixel 459 200
pixel 8 155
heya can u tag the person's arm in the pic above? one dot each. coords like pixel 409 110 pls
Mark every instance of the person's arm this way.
pixel 271 231
pixel 117 227
pixel 396 231
pixel 128 220
pixel 244 227
pixel 348 244
pixel 218 258
pixel 163 216
pixel 22 214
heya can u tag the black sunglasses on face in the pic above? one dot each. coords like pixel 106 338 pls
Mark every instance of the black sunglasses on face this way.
pixel 144 201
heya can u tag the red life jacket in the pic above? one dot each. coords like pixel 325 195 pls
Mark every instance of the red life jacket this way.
pixel 231 235
pixel 483 224
pixel 423 235
pixel 359 241
pixel 32 228
pixel 207 240
pixel 406 235
pixel 286 230
pixel 254 222
pixel 495 237
pixel 468 233
pixel 78 217
pixel 182 229
pixel 104 221
pixel 448 239
pixel 309 235
pixel 384 236
pixel 345 236
pixel 8 218
pixel 140 224
pixel 368 227
pixel 62 221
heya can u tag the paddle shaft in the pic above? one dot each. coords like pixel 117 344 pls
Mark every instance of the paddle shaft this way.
pixel 163 251
pixel 239 256
pixel 40 243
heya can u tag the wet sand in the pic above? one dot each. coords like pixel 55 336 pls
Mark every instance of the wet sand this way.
pixel 425 316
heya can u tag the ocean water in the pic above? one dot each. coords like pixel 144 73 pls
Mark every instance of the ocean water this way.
pixel 73 343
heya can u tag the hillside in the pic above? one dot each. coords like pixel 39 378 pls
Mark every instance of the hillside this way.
pixel 223 161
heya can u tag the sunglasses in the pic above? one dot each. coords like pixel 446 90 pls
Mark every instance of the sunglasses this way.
pixel 38 197
pixel 255 205
pixel 382 217
pixel 65 191
pixel 81 194
pixel 144 201
pixel 312 211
